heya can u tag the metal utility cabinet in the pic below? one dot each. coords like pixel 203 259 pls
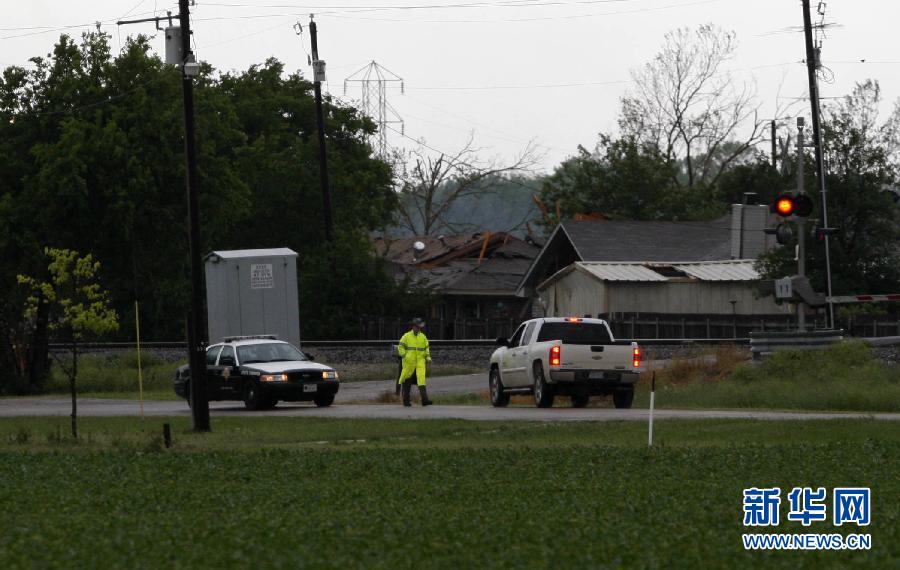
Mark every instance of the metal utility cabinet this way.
pixel 251 292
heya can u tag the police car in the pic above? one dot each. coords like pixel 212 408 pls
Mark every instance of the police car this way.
pixel 261 371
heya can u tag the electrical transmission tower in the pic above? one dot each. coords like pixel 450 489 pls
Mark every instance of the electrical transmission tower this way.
pixel 374 80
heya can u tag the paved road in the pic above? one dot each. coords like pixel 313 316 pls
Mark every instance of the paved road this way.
pixel 101 407
pixel 356 392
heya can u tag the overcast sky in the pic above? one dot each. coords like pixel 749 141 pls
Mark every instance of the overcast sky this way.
pixel 510 71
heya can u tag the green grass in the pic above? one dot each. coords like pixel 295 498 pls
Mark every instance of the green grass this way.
pixel 116 376
pixel 288 492
pixel 842 377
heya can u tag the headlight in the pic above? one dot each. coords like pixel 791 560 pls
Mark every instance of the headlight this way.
pixel 273 378
pixel 329 375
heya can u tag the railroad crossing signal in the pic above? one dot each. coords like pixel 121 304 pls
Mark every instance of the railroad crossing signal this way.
pixel 789 204
pixel 783 233
pixel 820 233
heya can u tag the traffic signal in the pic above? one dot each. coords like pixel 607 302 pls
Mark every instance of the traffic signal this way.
pixel 790 204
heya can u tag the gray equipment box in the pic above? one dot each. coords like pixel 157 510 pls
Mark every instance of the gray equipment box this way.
pixel 253 292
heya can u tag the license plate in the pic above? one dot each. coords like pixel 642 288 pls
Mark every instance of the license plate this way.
pixel 310 387
pixel 596 375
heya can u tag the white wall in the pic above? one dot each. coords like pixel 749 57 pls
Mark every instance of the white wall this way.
pixel 578 294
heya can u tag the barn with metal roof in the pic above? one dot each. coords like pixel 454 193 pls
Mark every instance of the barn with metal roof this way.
pixel 660 288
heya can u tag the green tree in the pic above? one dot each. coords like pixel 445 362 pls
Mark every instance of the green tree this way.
pixel 754 176
pixel 625 178
pixel 91 159
pixel 434 184
pixel 79 307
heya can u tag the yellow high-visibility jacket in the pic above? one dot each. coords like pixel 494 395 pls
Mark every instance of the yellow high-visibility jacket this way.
pixel 415 352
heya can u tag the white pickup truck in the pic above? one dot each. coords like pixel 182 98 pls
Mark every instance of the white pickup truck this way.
pixel 575 357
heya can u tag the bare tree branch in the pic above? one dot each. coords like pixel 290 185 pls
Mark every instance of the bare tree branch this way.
pixel 685 105
pixel 431 188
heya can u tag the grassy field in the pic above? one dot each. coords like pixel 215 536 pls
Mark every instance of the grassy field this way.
pixel 842 377
pixel 283 492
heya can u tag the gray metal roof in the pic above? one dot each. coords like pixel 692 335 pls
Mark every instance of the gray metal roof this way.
pixel 244 253
pixel 629 240
pixel 634 241
pixel 736 270
pixel 621 272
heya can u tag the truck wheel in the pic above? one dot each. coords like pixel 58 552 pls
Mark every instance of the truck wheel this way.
pixel 580 400
pixel 324 400
pixel 499 398
pixel 623 398
pixel 543 392
pixel 253 399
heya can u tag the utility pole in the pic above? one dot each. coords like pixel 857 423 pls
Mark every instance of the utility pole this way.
pixel 179 53
pixel 774 146
pixel 196 345
pixel 801 227
pixel 812 64
pixel 318 77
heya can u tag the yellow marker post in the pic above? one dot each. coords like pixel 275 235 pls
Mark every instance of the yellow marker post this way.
pixel 137 326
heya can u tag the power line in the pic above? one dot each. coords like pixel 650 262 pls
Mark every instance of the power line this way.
pixel 356 8
pixel 502 134
pixel 38 30
pixel 350 16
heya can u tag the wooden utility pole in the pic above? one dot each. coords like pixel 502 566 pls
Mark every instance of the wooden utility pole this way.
pixel 801 226
pixel 318 76
pixel 184 58
pixel 196 344
pixel 774 145
pixel 812 64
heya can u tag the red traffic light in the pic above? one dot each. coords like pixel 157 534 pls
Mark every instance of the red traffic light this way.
pixel 788 204
pixel 784 206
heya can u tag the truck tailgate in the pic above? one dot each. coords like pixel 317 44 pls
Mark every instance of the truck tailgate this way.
pixel 598 357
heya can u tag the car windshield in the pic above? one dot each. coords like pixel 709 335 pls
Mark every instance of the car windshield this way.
pixel 269 352
pixel 575 333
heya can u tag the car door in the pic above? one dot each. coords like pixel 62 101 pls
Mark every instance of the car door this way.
pixel 227 379
pixel 519 357
pixel 507 369
pixel 212 355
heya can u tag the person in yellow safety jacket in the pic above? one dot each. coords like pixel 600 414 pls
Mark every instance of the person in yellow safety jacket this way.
pixel 415 353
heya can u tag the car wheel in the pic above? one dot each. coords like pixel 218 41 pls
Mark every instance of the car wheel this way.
pixel 623 398
pixel 543 392
pixel 324 400
pixel 253 399
pixel 580 400
pixel 499 398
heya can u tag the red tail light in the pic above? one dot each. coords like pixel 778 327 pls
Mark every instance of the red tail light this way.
pixel 555 355
pixel 636 357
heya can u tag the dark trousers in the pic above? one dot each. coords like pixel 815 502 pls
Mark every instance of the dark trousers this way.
pixel 413 379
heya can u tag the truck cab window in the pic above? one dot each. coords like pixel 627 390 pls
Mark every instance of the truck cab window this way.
pixel 527 336
pixel 517 336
